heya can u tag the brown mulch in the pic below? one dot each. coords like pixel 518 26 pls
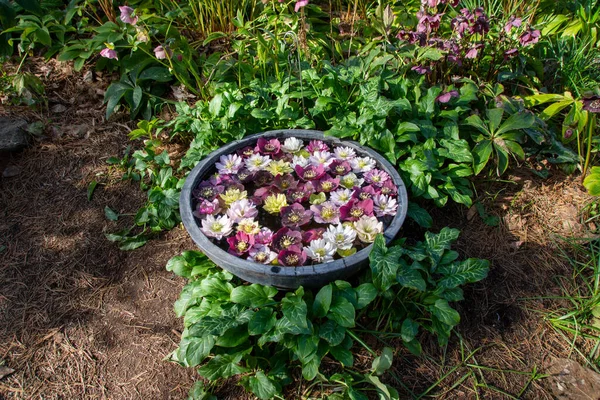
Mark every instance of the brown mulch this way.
pixel 80 319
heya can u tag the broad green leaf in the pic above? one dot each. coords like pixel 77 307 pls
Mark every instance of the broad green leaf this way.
pixel 409 330
pixel 414 347
pixel 343 355
pixel 342 312
pixel 262 321
pixel 385 392
pixel 515 148
pixel 322 302
pixel 446 314
pixel 262 386
pixel 179 266
pixel 222 366
pixel 383 362
pixel 502 156
pixel 137 97
pixel 365 294
pixel 306 348
pixel 476 122
pixel 410 278
pixel 438 243
pixel 113 95
pixel 332 332
pixel 419 215
pixel 193 350
pixel 554 109
pixel 384 263
pixel 254 295
pixel 519 120
pixel 216 287
pixel 213 36
pixel 233 337
pixel 495 117
pixel 592 182
pixel 295 310
pixel 458 273
pixel 132 243
pixel 110 214
pixel 90 189
pixel 230 318
pixel 481 155
pixel 354 394
pixel 156 74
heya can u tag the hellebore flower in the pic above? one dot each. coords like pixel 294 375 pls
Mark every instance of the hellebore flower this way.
pixel 316 145
pixel 274 203
pixel 263 178
pixel 109 53
pixel 326 213
pixel 256 162
pixel 206 207
pixel 481 23
pixel 286 237
pixel 367 228
pixel 341 196
pixel 591 104
pixel 240 243
pixel 206 190
pixel 530 37
pixel 321 250
pixel 327 184
pixel 364 193
pixel 321 158
pixel 269 147
pixel 285 182
pixel 300 4
pixel 161 52
pixel 229 164
pixel 310 172
pixel 340 167
pixel 301 193
pixel 293 256
pixel 377 177
pixel 126 15
pixel 262 254
pixel 362 164
pixel 300 160
pixel 512 22
pixel 342 236
pixel 473 51
pixel 232 195
pixel 295 216
pixel 265 236
pixel 421 69
pixel 249 226
pixel 462 22
pixel 389 188
pixel 446 97
pixel 244 175
pixel 292 145
pixel 344 153
pixel 279 167
pixel 428 23
pixel 216 227
pixel 241 209
pixel 384 205
pixel 354 209
pixel 246 152
pixel 351 180
pixel 312 234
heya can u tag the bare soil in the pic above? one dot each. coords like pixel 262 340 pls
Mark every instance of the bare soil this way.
pixel 80 319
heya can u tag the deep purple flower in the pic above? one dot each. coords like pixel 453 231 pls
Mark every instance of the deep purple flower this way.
pixel 409 36
pixel 446 97
pixel 530 37
pixel 245 176
pixel 421 69
pixel 265 236
pixel 328 184
pixel 300 4
pixel 207 207
pixel 263 178
pixel 316 145
pixel 293 256
pixel 340 167
pixel 109 53
pixel 428 23
pixel 285 182
pixel 206 190
pixel 591 104
pixel 462 22
pixel 310 172
pixel 286 237
pixel 295 216
pixel 268 147
pixel 301 193
pixel 481 23
pixel 326 213
pixel 354 209
pixel 246 152
pixel 126 13
pixel 241 243
pixel 389 188
pixel 364 193
pixel 312 234
pixel 512 22
pixel 377 177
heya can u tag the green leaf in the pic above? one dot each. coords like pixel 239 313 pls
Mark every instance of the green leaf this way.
pixel 262 114
pixel 476 122
pixel 262 321
pixel 90 189
pixel 410 278
pixel 132 243
pixel 343 355
pixel 414 347
pixel 262 386
pixel 592 182
pixel 295 310
pixel 113 95
pixel 409 330
pixel 231 318
pixel 137 97
pixel 254 295
pixel 179 266
pixel 383 362
pixel 198 392
pixel 110 214
pixel 222 366
pixel 458 273
pixel 384 263
pixel 157 74
pixel 438 243
pixel 495 117
pixel 342 312
pixel 193 350
pixel 481 155
pixel 33 6
pixel 444 313
pixel 233 337
pixel 322 302
pixel 213 36
pixel 419 215
pixel 520 120
pixel 365 294
pixel 332 332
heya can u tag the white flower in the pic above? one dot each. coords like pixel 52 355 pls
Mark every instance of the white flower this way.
pixel 321 250
pixel 362 164
pixel 262 254
pixel 256 162
pixel 321 157
pixel 292 145
pixel 342 236
pixel 344 153
pixel 300 160
pixel 216 227
pixel 241 209
pixel 229 164
pixel 341 196
pixel 367 228
pixel 384 205
pixel 249 226
pixel 351 180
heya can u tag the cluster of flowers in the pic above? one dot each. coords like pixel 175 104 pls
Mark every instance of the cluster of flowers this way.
pixel 306 202
pixel 466 24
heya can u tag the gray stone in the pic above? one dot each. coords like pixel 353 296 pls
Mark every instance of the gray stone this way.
pixel 571 381
pixel 13 136
pixel 11 171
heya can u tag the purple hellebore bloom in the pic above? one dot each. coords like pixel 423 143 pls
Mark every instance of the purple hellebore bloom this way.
pixel 446 97
pixel 244 175
pixel 206 190
pixel 389 188
pixel 354 209
pixel 327 184
pixel 568 133
pixel 263 178
pixel 262 254
pixel 206 207
pixel 246 152
pixel 512 22
pixel 461 23
pixel 261 194
pixel 265 236
pixel 430 3
pixel 286 237
pixel 340 167
pixel 300 4
pixel 364 193
pixel 326 213
pixel 510 53
pixel 240 243
pixel 301 193
pixel 295 216
pixel 285 182
pixel 316 145
pixel 268 147
pixel 312 234
pixel 410 37
pixel 421 69
pixel 109 53
pixel 377 177
pixel 293 256
pixel 310 172
pixel 530 37
pixel 473 51
pixel 126 13
pixel 428 23
pixel 481 23
pixel 591 104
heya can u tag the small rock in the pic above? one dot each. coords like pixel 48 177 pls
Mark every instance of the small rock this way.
pixel 13 136
pixel 571 381
pixel 88 77
pixel 5 371
pixel 11 171
pixel 58 108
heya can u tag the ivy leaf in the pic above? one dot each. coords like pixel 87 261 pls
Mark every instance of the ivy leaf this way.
pixel 384 263
pixel 193 350
pixel 332 332
pixel 409 330
pixel 179 266
pixel 322 302
pixel 365 294
pixel 383 362
pixel 262 386
pixel 458 273
pixel 223 366
pixel 230 318
pixel 444 313
pixel 262 321
pixel 342 312
pixel 295 310
pixel 254 295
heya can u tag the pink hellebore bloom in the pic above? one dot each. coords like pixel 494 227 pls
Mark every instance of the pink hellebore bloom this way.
pixel 300 4
pixel 530 37
pixel 268 147
pixel 292 256
pixel 353 210
pixel 126 13
pixel 512 22
pixel 295 216
pixel 316 145
pixel 109 53
pixel 286 237
pixel 240 243
pixel 161 53
pixel 446 97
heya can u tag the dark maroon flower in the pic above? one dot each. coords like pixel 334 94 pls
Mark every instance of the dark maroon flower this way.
pixel 310 172
pixel 317 145
pixel 428 23
pixel 354 209
pixel 364 193
pixel 285 182
pixel 389 188
pixel 327 184
pixel 446 97
pixel 244 175
pixel 591 104
pixel 295 216
pixel 293 256
pixel 474 51
pixel 530 37
pixel 312 234
pixel 286 237
pixel 512 22
pixel 481 23
pixel 241 243
pixel 462 22
pixel 246 152
pixel 340 167
pixel 409 36
pixel 206 190
pixel 268 147
pixel 421 69
pixel 301 193
pixel 263 178
pixel 510 53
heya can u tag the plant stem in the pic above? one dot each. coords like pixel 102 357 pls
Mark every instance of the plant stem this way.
pixel 591 129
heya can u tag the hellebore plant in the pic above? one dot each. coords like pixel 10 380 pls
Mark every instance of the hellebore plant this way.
pixel 291 203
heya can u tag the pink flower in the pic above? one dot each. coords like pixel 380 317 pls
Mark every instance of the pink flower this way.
pixel 530 37
pixel 300 4
pixel 207 207
pixel 421 69
pixel 364 193
pixel 161 53
pixel 240 243
pixel 510 53
pixel 389 188
pixel 109 53
pixel 446 97
pixel 339 167
pixel 269 147
pixel 265 236
pixel 473 51
pixel 286 237
pixel 327 184
pixel 354 209
pixel 316 145
pixel 512 22
pixel 295 216
pixel 292 256
pixel 312 234
pixel 301 193
pixel 126 13
pixel 262 254
pixel 377 177
pixel 326 213
pixel 285 182
pixel 310 173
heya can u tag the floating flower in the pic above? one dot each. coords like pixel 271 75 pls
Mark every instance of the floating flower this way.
pixel 244 175
pixel 127 15
pixel 384 205
pixel 207 207
pixel 246 152
pixel 364 193
pixel 312 234
pixel 216 227
pixel 292 145
pixel 241 209
pixel 389 188
pixel 292 256
pixel 286 237
pixel 326 213
pixel 316 145
pixel 232 195
pixel 354 209
pixel 344 153
pixel 260 194
pixel 321 250
pixel 256 162
pixel 362 164
pixel 207 191
pixel 310 173
pixel 265 236
pixel 301 193
pixel 109 53
pixel 249 226
pixel 285 182
pixel 342 236
pixel 340 167
pixel 295 216
pixel 377 177
pixel 269 147
pixel 327 184
pixel 317 198
pixel 300 160
pixel 351 180
pixel 367 228
pixel 241 243
pixel 279 167
pixel 274 203
pixel 341 196
pixel 229 164
pixel 262 254
pixel 263 178
pixel 321 158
